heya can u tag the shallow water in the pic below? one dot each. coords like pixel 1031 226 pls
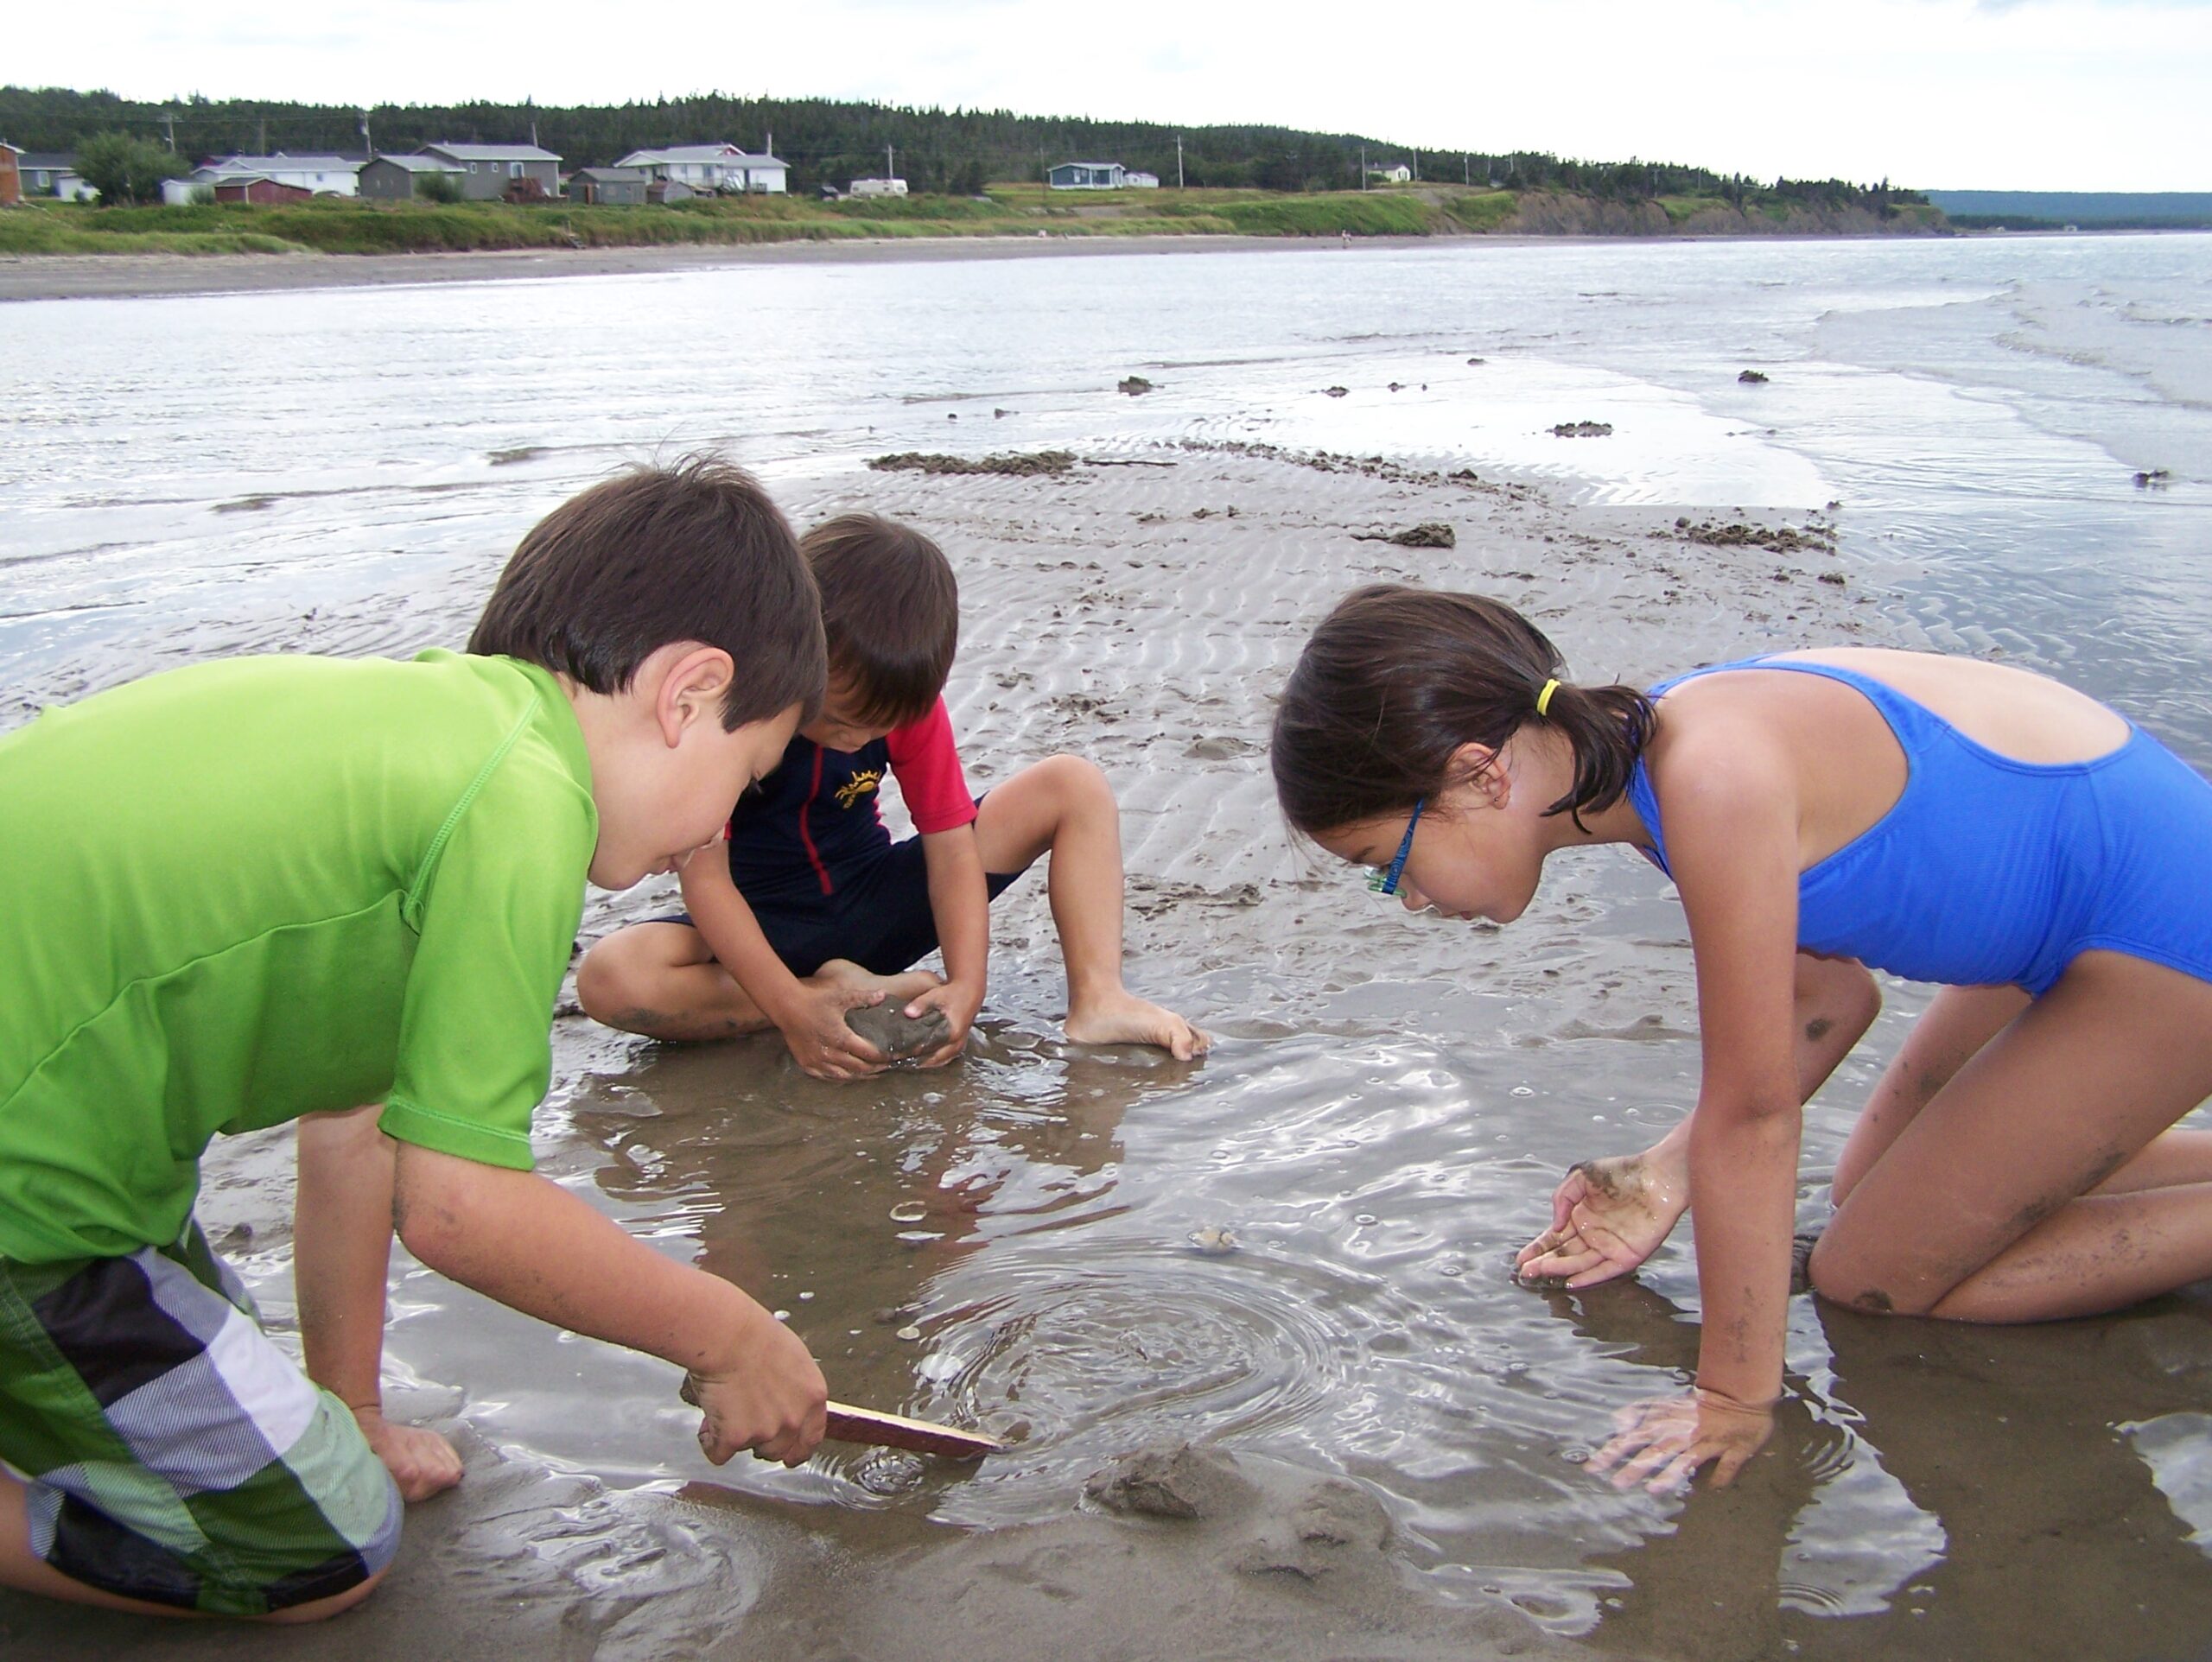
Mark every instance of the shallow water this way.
pixel 341 470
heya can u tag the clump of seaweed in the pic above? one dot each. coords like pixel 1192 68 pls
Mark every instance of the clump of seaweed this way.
pixel 1780 539
pixel 1583 430
pixel 1429 534
pixel 918 462
pixel 1134 385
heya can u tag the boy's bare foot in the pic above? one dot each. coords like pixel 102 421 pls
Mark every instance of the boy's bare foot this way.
pixel 1121 1018
pixel 896 989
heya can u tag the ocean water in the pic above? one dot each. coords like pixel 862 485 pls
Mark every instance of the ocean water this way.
pixel 2014 436
pixel 1984 405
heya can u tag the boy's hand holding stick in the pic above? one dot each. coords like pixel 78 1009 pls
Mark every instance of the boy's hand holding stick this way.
pixel 863 1425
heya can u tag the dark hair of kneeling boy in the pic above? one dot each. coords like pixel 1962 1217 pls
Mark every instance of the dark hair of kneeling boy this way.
pixel 271 888
pixel 813 910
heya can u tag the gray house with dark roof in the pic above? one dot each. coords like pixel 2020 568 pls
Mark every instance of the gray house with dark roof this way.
pixel 608 185
pixel 398 178
pixel 54 173
pixel 485 171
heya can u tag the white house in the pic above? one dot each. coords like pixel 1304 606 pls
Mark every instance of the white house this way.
pixel 878 187
pixel 1090 176
pixel 713 167
pixel 1401 175
pixel 324 174
pixel 1141 180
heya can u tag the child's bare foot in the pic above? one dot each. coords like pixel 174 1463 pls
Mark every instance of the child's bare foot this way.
pixel 896 989
pixel 1121 1018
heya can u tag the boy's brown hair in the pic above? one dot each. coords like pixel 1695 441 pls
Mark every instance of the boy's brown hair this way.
pixel 891 611
pixel 695 552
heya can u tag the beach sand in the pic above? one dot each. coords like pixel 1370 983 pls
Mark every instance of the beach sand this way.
pixel 1141 608
pixel 90 277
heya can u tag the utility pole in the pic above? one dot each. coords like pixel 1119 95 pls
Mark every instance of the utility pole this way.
pixel 367 143
pixel 1363 167
pixel 889 171
pixel 1179 161
pixel 168 120
pixel 1467 168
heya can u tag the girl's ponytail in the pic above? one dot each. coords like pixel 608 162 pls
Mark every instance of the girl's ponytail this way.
pixel 1396 679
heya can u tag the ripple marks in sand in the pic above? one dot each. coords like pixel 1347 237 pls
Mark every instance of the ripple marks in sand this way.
pixel 1081 1358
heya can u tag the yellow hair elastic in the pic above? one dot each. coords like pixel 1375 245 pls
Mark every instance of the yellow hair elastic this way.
pixel 1544 698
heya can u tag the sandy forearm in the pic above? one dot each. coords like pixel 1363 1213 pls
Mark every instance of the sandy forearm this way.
pixel 535 1247
pixel 1743 1169
pixel 960 900
pixel 732 933
pixel 341 1252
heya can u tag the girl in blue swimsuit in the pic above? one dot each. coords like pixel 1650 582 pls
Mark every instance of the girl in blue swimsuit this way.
pixel 1944 818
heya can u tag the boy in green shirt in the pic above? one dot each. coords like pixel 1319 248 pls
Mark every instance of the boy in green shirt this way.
pixel 273 889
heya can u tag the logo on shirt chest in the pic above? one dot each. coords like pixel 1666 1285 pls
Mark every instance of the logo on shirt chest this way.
pixel 864 781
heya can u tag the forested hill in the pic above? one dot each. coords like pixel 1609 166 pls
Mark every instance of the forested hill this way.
pixel 2105 209
pixel 830 142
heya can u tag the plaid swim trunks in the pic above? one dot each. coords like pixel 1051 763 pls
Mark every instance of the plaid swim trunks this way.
pixel 172 1453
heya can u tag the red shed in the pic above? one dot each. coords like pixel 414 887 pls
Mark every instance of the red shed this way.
pixel 262 191
pixel 11 176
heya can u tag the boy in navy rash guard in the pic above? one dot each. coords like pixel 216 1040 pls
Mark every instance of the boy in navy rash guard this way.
pixel 816 911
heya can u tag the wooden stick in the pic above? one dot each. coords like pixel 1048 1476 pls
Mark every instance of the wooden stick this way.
pixel 849 1425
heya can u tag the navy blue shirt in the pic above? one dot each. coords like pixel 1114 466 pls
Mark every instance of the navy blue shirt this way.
pixel 807 828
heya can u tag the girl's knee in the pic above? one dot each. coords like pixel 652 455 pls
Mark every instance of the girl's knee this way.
pixel 1865 1282
pixel 1838 993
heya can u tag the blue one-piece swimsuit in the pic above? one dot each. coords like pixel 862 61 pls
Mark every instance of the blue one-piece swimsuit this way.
pixel 1988 871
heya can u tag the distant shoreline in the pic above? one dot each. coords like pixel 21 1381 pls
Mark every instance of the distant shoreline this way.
pixel 93 277
pixel 124 277
pixel 127 276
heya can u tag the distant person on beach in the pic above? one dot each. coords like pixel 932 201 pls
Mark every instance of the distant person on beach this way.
pixel 1947 820
pixel 276 889
pixel 816 911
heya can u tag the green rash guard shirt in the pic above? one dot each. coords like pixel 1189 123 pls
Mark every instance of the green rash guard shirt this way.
pixel 236 893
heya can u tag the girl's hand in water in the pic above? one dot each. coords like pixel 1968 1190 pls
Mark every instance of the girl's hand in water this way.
pixel 1663 1443
pixel 1607 1217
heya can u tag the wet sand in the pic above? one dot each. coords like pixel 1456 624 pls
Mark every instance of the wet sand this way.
pixel 1141 608
pixel 89 277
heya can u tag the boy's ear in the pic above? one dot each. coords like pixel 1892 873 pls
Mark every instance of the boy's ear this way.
pixel 1476 768
pixel 691 688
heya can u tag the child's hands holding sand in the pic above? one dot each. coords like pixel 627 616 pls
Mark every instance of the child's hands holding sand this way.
pixel 812 1023
pixel 1662 1444
pixel 1607 1217
pixel 958 1004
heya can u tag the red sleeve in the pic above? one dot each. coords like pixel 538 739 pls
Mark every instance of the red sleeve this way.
pixel 928 770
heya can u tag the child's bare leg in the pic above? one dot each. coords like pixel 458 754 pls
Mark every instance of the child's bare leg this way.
pixel 661 980
pixel 1835 1002
pixel 1065 807
pixel 896 989
pixel 1957 1023
pixel 1983 1206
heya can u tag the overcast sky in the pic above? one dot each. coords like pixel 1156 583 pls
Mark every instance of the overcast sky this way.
pixel 2000 94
